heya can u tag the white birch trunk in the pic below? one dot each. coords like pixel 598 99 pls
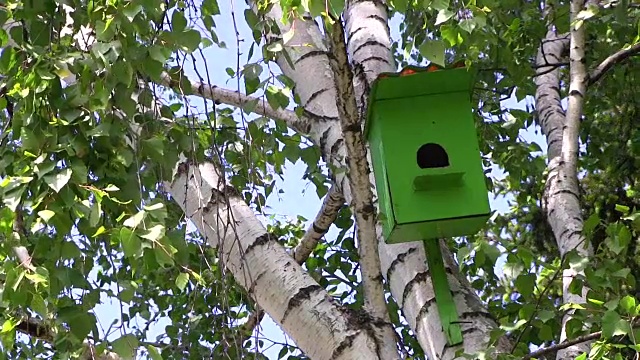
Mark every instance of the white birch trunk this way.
pixel 369 49
pixel 561 198
pixel 319 326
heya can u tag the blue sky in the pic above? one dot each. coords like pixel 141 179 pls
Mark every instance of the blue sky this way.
pixel 299 197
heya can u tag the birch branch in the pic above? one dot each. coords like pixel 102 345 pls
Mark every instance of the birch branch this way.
pixel 611 61
pixel 548 102
pixel 327 214
pixel 358 174
pixel 562 194
pixel 262 267
pixel 235 98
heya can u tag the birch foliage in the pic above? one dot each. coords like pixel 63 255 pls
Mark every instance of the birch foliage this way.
pixel 97 133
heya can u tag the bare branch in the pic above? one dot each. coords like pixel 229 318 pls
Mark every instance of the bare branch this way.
pixel 562 345
pixel 568 343
pixel 235 98
pixel 327 214
pixel 612 60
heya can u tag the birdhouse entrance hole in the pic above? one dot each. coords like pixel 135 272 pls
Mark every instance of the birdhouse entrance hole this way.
pixel 432 156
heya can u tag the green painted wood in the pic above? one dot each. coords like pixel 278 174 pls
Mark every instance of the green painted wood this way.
pixel 432 111
pixel 444 297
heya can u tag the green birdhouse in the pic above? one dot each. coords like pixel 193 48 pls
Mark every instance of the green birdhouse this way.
pixel 426 159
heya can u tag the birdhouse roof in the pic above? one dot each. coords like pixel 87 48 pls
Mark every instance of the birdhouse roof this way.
pixel 415 81
pixel 420 81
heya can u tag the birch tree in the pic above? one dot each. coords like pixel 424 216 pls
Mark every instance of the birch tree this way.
pixel 113 187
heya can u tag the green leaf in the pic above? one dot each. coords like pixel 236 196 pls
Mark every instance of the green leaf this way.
pixel 159 53
pixel 164 255
pixel 154 233
pixel 182 280
pixel 131 244
pixel 440 4
pixel 178 21
pixel 126 346
pixel 468 25
pixel 135 220
pixel 434 51
pixel 545 333
pixel 525 284
pixel 618 242
pixel 81 324
pixel 38 305
pixel 8 326
pixel 546 315
pixel 59 180
pixel 126 295
pixel 154 353
pixel 613 325
pixel 131 10
pixel 190 40
pixel 628 304
pixel 46 215
pixel 443 16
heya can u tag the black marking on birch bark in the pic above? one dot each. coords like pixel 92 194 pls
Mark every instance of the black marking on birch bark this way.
pixel 312 54
pixel 344 344
pixel 217 197
pixel 374 58
pixel 360 320
pixel 352 128
pixel 398 260
pixel 576 93
pixel 376 2
pixel 318 229
pixel 260 241
pixel 315 95
pixel 353 33
pixel 319 118
pixel 336 147
pixel 476 314
pixel 368 209
pixel 324 138
pixel 573 233
pixel 183 167
pixel 554 141
pixel 566 191
pixel 370 43
pixel 297 299
pixel 422 277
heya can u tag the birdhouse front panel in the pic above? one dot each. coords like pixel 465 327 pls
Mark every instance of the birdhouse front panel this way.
pixel 426 158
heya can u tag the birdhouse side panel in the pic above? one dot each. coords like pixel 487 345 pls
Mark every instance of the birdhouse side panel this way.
pixel 432 158
pixel 380 174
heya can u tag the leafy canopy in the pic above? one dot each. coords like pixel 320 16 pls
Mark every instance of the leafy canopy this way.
pixel 82 166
